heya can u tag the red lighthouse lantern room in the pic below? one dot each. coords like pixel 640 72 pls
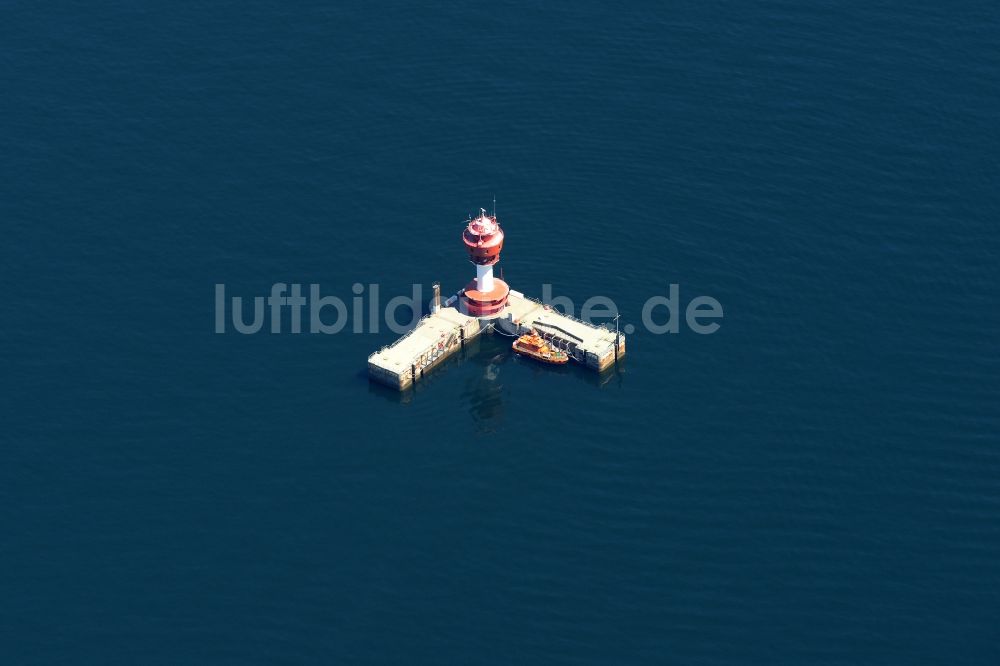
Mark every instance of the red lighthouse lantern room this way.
pixel 485 296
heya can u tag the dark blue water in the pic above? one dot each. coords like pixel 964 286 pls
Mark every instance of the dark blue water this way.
pixel 816 483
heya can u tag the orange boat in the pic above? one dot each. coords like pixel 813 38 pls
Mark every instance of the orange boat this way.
pixel 533 346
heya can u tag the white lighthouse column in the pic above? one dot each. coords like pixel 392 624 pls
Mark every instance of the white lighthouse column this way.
pixel 484 278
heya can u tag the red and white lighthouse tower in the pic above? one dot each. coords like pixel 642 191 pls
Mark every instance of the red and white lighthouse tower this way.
pixel 485 296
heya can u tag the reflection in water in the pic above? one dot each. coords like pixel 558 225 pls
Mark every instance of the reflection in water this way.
pixel 493 369
pixel 390 394
pixel 616 374
pixel 485 396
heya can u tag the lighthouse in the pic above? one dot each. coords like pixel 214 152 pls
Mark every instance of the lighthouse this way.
pixel 486 296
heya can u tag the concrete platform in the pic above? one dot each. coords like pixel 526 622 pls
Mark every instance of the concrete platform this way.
pixel 439 335
pixel 435 337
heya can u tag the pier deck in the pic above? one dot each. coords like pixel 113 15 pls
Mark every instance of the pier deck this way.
pixel 588 344
pixel 435 337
